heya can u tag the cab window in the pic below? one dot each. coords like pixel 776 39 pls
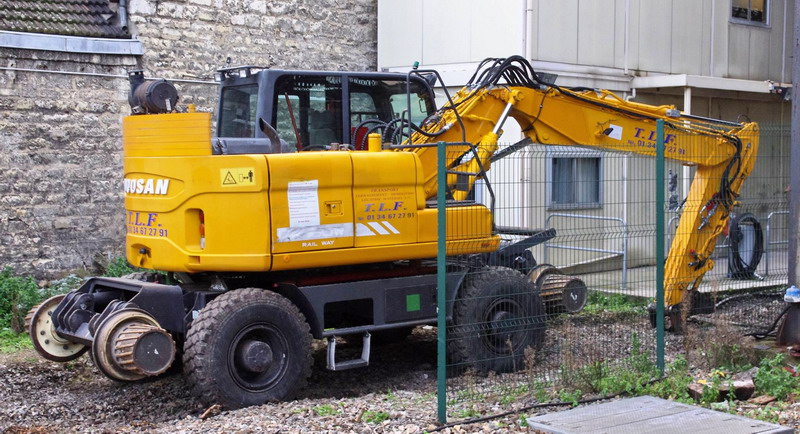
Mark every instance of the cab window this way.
pixel 384 100
pixel 238 111
pixel 308 111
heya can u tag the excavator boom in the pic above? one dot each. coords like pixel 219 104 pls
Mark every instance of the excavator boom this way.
pixel 723 152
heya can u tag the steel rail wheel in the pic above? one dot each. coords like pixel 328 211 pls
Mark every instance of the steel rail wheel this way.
pixel 43 334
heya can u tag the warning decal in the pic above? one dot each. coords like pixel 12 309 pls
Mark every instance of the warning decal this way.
pixel 237 177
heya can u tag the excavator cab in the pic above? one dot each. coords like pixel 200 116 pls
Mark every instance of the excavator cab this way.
pixel 312 110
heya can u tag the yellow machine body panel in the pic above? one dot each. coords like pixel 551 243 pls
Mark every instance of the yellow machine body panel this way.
pixel 173 134
pixel 311 201
pixel 196 218
pixel 190 211
pixel 387 198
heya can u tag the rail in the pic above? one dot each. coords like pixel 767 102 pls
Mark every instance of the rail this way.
pixel 623 252
pixel 768 239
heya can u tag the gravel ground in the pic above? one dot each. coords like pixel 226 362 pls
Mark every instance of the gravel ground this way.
pixel 396 393
pixel 398 386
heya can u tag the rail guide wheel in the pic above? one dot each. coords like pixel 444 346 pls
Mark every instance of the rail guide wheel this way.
pixel 129 345
pixel 46 340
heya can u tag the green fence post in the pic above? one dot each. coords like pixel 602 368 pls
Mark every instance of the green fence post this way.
pixel 660 245
pixel 441 283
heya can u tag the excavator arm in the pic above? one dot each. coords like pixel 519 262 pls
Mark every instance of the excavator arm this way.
pixel 723 152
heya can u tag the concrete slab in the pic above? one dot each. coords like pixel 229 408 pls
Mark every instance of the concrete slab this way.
pixel 649 415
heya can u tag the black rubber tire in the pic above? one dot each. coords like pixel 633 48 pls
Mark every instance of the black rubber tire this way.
pixel 230 320
pixel 479 339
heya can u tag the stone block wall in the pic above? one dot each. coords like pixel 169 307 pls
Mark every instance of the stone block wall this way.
pixel 60 129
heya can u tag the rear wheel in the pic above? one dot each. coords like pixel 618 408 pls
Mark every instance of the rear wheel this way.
pixel 247 347
pixel 497 317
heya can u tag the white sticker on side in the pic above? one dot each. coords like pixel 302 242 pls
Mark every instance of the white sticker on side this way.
pixel 303 203
pixel 616 132
pixel 305 233
pixel 375 228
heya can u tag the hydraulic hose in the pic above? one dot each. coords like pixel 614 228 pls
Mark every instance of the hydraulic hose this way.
pixel 737 266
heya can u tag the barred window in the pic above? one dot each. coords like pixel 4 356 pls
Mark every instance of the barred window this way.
pixel 574 181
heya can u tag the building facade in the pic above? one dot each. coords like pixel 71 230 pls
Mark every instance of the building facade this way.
pixel 721 59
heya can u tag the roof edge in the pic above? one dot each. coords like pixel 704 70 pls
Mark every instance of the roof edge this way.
pixel 70 44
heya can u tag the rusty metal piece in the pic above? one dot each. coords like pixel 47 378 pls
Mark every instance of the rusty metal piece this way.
pixel 143 349
pixel 562 293
pixel 129 345
pixel 29 318
pixel 540 272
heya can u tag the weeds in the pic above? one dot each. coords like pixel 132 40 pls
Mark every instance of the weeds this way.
pixel 118 267
pixel 370 416
pixel 603 302
pixel 721 348
pixel 11 342
pixel 627 376
pixel 773 378
pixel 674 385
pixel 326 410
pixel 17 295
pixel 570 396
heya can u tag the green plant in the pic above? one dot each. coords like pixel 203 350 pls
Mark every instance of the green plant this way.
pixel 603 302
pixel 675 384
pixel 118 267
pixel 570 396
pixel 523 422
pixel 770 413
pixel 325 410
pixel 17 295
pixel 630 375
pixel 11 342
pixel 370 416
pixel 541 391
pixel 773 378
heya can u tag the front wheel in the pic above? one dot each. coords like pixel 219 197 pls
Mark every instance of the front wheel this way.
pixel 497 317
pixel 248 347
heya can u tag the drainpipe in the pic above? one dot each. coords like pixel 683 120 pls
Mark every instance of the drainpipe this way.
pixel 794 156
pixel 122 12
pixel 711 53
pixel 687 171
pixel 627 37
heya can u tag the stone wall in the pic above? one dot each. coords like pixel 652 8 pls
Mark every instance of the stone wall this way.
pixel 60 146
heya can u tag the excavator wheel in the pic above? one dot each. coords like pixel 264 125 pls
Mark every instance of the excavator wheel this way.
pixel 247 347
pixel 496 318
pixel 45 340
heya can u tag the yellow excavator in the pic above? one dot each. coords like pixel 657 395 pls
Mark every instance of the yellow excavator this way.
pixel 312 214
